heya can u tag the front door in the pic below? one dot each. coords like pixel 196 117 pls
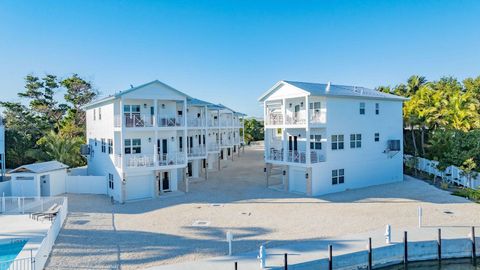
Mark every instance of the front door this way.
pixel 165 182
pixel 44 185
pixel 190 169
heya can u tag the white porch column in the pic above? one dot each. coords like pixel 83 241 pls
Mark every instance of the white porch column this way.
pixel 122 136
pixel 307 147
pixel 184 138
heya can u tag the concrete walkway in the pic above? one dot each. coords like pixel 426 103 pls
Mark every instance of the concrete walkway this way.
pixel 303 254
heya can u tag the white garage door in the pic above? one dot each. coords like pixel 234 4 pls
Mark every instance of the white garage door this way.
pixel 139 187
pixel 297 181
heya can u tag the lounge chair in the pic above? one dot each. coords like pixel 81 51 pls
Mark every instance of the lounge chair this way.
pixel 49 213
pixel 33 215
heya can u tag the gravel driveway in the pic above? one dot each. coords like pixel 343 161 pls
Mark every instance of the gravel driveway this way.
pixel 98 235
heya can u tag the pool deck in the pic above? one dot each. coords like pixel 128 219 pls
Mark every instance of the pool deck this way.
pixel 22 227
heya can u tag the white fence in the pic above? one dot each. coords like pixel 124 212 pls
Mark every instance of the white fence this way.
pixel 30 205
pixel 452 174
pixel 5 188
pixel 83 184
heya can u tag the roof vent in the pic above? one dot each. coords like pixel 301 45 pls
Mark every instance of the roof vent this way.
pixel 328 87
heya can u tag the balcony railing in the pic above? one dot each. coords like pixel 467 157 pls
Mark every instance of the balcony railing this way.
pixel 163 121
pixel 294 156
pixel 275 119
pixel 226 142
pixel 297 119
pixel 213 123
pixel 213 147
pixel 195 122
pixel 150 160
pixel 318 117
pixel 196 152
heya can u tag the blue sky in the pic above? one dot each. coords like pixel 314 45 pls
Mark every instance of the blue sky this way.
pixel 233 51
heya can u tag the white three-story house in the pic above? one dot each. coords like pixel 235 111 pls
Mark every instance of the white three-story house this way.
pixel 329 138
pixel 147 139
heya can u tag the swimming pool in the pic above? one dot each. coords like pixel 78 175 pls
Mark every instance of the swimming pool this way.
pixel 8 252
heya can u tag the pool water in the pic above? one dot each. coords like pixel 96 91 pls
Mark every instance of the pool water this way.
pixel 456 264
pixel 8 251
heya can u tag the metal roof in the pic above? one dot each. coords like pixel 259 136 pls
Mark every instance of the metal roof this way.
pixel 335 90
pixel 40 167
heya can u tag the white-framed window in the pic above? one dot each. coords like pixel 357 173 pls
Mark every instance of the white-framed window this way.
pixel 104 145
pixel 355 140
pixel 131 108
pixel 377 137
pixel 110 146
pixel 338 176
pixel 337 142
pixel 110 181
pixel 316 142
pixel 133 146
pixel 377 108
pixel 99 113
pixel 362 107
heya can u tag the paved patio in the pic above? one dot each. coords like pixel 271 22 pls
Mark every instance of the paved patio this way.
pixel 137 235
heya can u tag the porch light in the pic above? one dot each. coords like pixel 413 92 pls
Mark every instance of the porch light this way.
pixel 301 104
pixel 306 175
pixel 149 140
pixel 144 105
pixel 173 138
pixel 163 106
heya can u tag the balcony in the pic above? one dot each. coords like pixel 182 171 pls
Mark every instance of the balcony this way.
pixel 147 120
pixel 213 147
pixel 275 119
pixel 296 119
pixel 195 122
pixel 294 156
pixel 150 160
pixel 196 152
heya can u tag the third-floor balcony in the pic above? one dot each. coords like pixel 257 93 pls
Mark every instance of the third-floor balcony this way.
pixel 147 120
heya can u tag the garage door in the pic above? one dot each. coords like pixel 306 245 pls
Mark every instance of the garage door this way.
pixel 139 187
pixel 297 181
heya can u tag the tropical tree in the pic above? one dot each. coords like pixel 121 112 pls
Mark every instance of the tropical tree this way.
pixel 253 130
pixel 54 146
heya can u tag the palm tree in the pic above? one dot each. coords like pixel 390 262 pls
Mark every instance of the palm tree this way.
pixel 61 148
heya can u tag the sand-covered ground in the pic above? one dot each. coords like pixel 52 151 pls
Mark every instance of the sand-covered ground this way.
pixel 161 231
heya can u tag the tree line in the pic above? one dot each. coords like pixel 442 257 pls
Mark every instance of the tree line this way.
pixel 43 128
pixel 441 120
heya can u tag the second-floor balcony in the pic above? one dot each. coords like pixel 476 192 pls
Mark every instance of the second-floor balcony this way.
pixel 150 160
pixel 196 152
pixel 213 147
pixel 294 156
pixel 195 122
pixel 147 120
pixel 298 118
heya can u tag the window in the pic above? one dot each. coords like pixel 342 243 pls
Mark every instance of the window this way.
pixel 337 142
pixel 377 108
pixel 315 142
pixel 99 113
pixel 110 146
pixel 131 108
pixel 94 114
pixel 355 140
pixel 104 146
pixel 362 107
pixel 133 146
pixel 338 176
pixel 180 143
pixel 110 181
pixel 377 137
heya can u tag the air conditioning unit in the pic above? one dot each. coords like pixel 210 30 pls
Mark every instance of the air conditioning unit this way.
pixel 393 145
pixel 85 150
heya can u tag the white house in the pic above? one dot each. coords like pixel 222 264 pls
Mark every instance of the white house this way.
pixel 2 150
pixel 39 179
pixel 329 138
pixel 148 138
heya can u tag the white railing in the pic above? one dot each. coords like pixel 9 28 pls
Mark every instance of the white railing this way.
pixel 275 154
pixel 298 119
pixel 46 246
pixel 301 156
pixel 318 117
pixel 18 264
pixel 134 120
pixel 196 151
pixel 195 122
pixel 137 161
pixel 26 205
pixel 213 123
pixel 452 174
pixel 226 142
pixel 275 119
pixel 176 158
pixel 225 123
pixel 170 121
pixel 31 205
pixel 213 147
